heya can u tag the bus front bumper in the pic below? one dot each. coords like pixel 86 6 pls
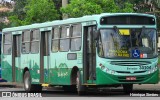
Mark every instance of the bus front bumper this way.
pixel 104 78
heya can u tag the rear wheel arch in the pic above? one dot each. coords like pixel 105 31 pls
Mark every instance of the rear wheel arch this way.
pixel 27 81
pixel 74 75
pixel 25 69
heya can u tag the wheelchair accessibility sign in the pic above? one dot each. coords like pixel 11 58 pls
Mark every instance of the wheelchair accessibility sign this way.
pixel 135 53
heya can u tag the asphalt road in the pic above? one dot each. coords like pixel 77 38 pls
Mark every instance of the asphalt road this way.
pixel 138 91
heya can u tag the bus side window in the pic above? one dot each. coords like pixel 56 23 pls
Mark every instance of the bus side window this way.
pixel 35 41
pixel 64 39
pixel 7 43
pixel 25 42
pixel 76 37
pixel 55 39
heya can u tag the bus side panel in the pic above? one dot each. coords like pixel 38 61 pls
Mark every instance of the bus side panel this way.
pixel 34 65
pixel 18 70
pixel 7 67
pixel 31 61
pixel 59 71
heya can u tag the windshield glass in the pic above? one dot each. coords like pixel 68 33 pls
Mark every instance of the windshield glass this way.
pixel 127 43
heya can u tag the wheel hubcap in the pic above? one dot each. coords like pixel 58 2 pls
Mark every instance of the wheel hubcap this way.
pixel 77 81
pixel 26 82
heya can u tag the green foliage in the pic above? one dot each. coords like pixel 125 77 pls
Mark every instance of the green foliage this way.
pixel 36 11
pixel 58 4
pixel 140 6
pixel 78 8
pixel 3 25
pixel 18 13
pixel 15 21
pixel 40 11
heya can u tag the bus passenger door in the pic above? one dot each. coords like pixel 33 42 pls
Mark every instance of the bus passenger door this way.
pixel 89 55
pixel 45 56
pixel 16 67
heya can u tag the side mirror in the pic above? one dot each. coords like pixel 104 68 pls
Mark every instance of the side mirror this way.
pixel 96 34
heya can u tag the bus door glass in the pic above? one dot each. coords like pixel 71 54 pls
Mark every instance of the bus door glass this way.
pixel 16 57
pixel 45 56
pixel 89 54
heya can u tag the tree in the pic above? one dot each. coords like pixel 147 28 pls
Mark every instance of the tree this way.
pixel 4 11
pixel 18 13
pixel 58 5
pixel 36 11
pixel 148 6
pixel 78 8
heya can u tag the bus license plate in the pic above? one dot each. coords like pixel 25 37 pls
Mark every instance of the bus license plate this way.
pixel 131 78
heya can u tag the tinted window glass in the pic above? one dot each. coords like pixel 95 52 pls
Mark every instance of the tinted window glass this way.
pixel 35 41
pixel 127 20
pixel 76 37
pixel 76 30
pixel 7 43
pixel 26 42
pixel 64 40
pixel 55 39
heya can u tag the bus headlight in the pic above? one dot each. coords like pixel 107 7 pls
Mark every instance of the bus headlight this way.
pixel 107 70
pixel 153 70
pixel 156 67
pixel 149 72
pixel 112 72
pixel 102 66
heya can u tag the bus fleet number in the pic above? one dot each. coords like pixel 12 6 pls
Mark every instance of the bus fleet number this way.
pixel 145 67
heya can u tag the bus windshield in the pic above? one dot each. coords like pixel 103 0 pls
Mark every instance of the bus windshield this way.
pixel 127 43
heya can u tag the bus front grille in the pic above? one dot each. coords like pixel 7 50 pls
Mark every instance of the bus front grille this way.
pixel 128 72
pixel 130 63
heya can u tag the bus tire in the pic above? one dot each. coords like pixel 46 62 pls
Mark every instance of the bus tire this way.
pixel 27 84
pixel 127 88
pixel 81 90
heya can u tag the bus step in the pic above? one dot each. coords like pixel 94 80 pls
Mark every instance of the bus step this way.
pixel 45 85
pixel 88 84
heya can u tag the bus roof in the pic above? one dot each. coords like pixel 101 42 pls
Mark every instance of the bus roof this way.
pixel 69 21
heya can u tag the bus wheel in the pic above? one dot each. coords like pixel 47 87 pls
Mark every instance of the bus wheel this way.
pixel 80 88
pixel 127 88
pixel 28 86
pixel 27 82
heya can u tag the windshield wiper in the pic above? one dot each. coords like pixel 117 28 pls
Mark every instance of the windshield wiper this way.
pixel 117 31
pixel 143 28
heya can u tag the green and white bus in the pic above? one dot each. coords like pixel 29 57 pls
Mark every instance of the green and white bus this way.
pixel 109 49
